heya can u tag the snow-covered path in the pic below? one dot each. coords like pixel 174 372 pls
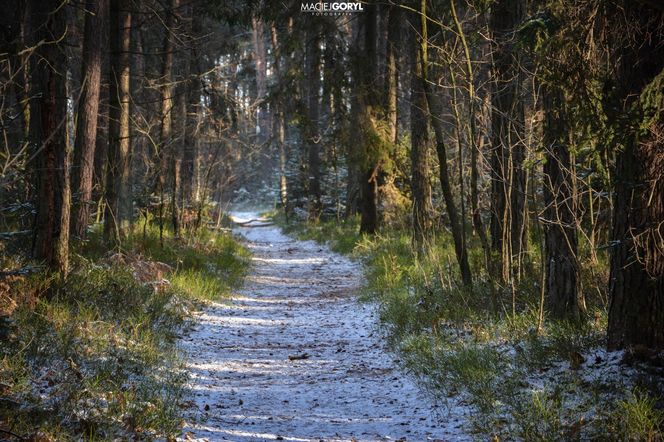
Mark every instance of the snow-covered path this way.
pixel 294 357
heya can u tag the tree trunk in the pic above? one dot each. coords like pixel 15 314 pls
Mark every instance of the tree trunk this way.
pixel 96 18
pixel 507 153
pixel 101 142
pixel 636 282
pixel 189 163
pixel 280 125
pixel 260 57
pixel 391 71
pixel 368 100
pixel 48 113
pixel 313 137
pixel 176 159
pixel 166 100
pixel 419 141
pixel 118 199
pixel 441 150
pixel 562 293
pixel 193 91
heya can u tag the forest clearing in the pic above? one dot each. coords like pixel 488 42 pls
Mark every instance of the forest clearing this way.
pixel 373 220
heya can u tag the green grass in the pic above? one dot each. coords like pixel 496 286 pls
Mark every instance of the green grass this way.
pixel 342 237
pixel 486 344
pixel 205 266
pixel 100 351
pixel 93 357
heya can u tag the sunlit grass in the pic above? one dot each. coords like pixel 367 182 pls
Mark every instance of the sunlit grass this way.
pixel 205 265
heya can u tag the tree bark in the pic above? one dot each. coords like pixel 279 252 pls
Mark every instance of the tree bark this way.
pixel 280 125
pixel 166 100
pixel 193 90
pixel 48 113
pixel 313 137
pixel 391 71
pixel 96 19
pixel 118 198
pixel 636 282
pixel 177 158
pixel 367 102
pixel 101 142
pixel 419 141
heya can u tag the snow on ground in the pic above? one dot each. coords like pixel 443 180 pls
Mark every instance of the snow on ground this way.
pixel 295 357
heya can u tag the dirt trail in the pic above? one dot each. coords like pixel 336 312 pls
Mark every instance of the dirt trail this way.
pixel 294 357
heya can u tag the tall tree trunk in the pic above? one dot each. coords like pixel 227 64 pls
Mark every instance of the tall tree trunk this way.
pixel 352 154
pixel 166 100
pixel 367 103
pixel 181 149
pixel 636 282
pixel 562 292
pixel 193 91
pixel 176 158
pixel 507 153
pixel 96 28
pixel 280 125
pixel 48 113
pixel 263 127
pixel 313 137
pixel 441 150
pixel 101 142
pixel 391 71
pixel 189 163
pixel 118 199
pixel 419 141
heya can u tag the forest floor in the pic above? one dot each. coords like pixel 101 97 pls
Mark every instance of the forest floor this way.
pixel 295 356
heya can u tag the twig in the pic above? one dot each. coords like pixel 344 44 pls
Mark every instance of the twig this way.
pixel 22 271
pixel 17 436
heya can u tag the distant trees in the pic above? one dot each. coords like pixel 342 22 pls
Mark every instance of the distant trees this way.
pixel 66 100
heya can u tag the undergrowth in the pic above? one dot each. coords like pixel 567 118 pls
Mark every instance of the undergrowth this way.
pixel 484 346
pixel 93 357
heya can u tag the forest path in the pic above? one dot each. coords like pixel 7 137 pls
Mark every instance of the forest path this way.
pixel 293 356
